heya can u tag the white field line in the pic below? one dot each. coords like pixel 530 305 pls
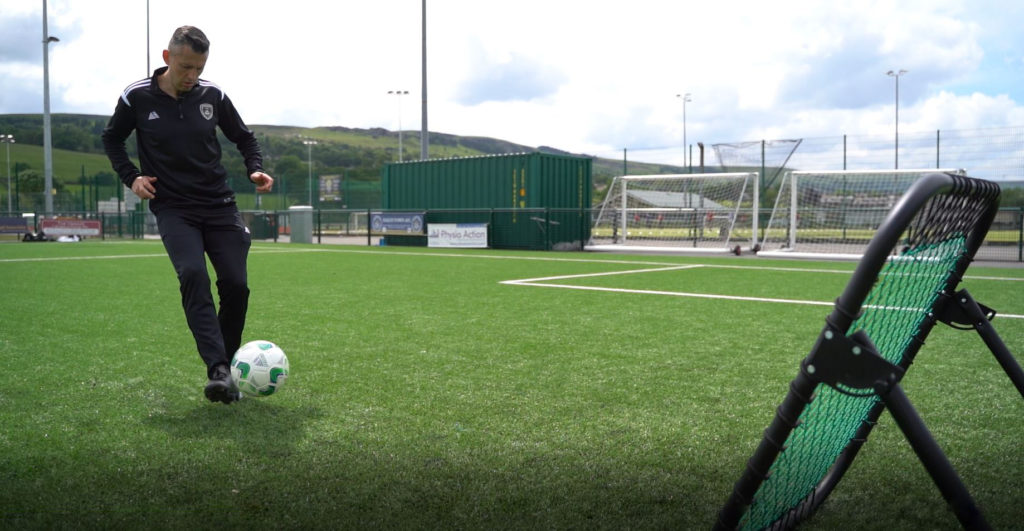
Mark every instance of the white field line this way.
pixel 274 249
pixel 544 282
pixel 623 262
pixel 70 258
pixel 117 256
pixel 541 282
pixel 529 281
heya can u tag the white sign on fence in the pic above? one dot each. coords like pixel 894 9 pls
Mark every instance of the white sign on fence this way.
pixel 457 235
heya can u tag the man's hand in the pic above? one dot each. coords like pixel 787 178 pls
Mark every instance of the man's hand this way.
pixel 262 181
pixel 143 187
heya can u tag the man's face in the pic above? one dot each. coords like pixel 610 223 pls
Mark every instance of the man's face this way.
pixel 184 66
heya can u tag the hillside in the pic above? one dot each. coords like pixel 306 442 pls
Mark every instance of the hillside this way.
pixel 355 153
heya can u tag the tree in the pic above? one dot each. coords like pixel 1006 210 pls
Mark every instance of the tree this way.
pixel 288 164
pixel 1012 197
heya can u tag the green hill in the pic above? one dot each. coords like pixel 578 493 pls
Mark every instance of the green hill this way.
pixel 67 165
pixel 355 154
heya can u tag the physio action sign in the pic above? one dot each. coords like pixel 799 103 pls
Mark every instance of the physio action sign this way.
pixel 457 235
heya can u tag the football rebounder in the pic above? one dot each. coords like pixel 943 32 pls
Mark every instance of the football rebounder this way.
pixel 903 286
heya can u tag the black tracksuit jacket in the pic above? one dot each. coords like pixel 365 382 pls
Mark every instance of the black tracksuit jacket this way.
pixel 177 142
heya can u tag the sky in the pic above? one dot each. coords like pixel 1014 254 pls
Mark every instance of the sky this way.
pixel 585 76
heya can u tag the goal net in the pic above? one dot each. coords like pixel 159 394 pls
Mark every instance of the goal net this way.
pixel 833 214
pixel 713 212
pixel 771 156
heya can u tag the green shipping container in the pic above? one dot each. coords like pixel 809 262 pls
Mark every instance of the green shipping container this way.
pixel 529 200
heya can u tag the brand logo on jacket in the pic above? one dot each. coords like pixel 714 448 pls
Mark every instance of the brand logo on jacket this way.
pixel 153 115
pixel 206 109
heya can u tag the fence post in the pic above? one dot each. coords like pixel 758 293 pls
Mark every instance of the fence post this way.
pixel 82 181
pixel 277 223
pixel 1020 235
pixel 120 205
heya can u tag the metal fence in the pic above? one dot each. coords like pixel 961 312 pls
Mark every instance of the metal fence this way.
pixel 104 193
pixel 995 154
pixel 530 228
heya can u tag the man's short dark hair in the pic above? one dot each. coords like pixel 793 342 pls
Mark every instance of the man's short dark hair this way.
pixel 192 37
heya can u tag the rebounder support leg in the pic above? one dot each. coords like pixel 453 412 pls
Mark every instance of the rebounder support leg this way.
pixel 967 312
pixel 931 456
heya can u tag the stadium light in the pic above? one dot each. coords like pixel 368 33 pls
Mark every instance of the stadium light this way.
pixel 897 74
pixel 8 139
pixel 686 148
pixel 424 132
pixel 47 144
pixel 399 93
pixel 309 148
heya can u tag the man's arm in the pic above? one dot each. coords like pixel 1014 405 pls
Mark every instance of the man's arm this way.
pixel 120 126
pixel 244 139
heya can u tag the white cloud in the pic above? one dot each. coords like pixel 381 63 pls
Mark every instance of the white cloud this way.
pixel 578 75
pixel 975 111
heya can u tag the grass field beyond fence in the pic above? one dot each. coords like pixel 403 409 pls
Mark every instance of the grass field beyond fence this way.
pixel 461 390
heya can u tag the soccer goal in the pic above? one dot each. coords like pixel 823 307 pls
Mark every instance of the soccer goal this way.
pixel 906 283
pixel 833 214
pixel 709 212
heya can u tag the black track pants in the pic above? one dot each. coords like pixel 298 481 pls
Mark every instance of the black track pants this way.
pixel 220 234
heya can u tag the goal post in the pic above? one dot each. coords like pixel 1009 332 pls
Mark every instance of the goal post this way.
pixel 834 214
pixel 709 212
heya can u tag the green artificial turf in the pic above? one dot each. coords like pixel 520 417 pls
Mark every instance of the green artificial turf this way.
pixel 427 394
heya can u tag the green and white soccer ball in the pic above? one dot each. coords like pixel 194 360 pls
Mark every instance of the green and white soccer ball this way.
pixel 259 368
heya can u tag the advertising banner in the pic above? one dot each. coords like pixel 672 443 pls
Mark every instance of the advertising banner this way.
pixel 13 225
pixel 70 227
pixel 464 235
pixel 396 222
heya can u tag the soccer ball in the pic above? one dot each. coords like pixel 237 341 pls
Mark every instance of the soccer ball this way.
pixel 259 368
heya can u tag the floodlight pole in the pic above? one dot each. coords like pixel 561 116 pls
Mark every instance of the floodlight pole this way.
pixel 47 144
pixel 8 139
pixel 897 74
pixel 685 98
pixel 309 149
pixel 424 133
pixel 399 93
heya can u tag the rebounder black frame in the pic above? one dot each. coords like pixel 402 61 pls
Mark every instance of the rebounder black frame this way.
pixel 852 361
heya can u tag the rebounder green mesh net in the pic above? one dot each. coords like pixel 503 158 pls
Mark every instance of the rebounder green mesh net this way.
pixel 896 312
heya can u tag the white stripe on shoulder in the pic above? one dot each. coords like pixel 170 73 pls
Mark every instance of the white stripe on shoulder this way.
pixel 211 84
pixel 142 83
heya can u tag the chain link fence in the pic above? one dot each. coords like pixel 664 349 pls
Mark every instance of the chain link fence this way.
pixel 341 204
pixel 528 228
